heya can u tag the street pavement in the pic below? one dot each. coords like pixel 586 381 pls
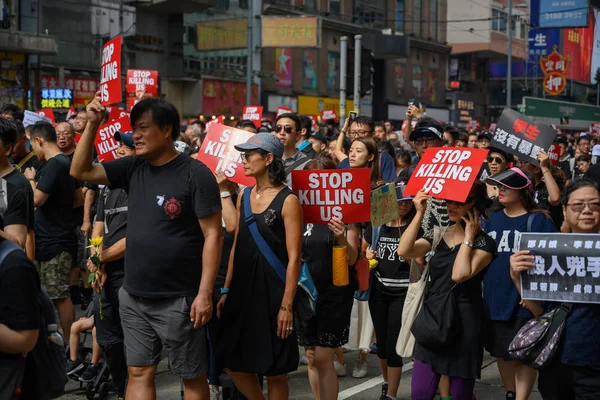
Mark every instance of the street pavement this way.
pixel 489 387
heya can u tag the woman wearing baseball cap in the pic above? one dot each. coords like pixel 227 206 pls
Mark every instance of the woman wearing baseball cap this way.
pixel 256 327
pixel 504 313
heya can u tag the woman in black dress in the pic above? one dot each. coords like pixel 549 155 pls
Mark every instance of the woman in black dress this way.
pixel 256 327
pixel 462 254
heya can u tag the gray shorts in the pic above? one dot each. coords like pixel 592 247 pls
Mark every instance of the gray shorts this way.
pixel 151 324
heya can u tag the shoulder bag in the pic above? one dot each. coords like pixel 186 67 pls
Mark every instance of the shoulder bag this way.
pixel 414 299
pixel 305 301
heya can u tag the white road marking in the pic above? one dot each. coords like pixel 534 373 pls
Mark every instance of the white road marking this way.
pixel 344 394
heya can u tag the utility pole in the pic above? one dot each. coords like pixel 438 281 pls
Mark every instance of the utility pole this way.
pixel 343 71
pixel 509 58
pixel 249 61
pixel 357 57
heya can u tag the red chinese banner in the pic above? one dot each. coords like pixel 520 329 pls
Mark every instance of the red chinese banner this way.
pixel 142 81
pixel 254 114
pixel 283 110
pixel 219 154
pixel 342 193
pixel 447 173
pixel 48 113
pixel 110 76
pixel 225 97
pixel 106 145
pixel 117 113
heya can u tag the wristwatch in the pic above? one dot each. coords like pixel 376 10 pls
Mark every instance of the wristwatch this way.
pixel 470 244
pixel 225 195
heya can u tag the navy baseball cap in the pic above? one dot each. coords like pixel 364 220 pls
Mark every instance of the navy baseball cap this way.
pixel 319 136
pixel 263 141
pixel 126 138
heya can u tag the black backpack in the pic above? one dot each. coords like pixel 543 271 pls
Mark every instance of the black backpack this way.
pixel 48 355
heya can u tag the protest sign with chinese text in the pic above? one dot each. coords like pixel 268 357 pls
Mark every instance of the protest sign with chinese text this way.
pixel 283 110
pixel 338 193
pixel 110 77
pixel 106 145
pixel 48 113
pixel 567 267
pixel 384 207
pixel 521 136
pixel 31 118
pixel 447 173
pixel 219 154
pixel 254 114
pixel 142 81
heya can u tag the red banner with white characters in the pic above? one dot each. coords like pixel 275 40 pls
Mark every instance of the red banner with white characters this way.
pixel 106 145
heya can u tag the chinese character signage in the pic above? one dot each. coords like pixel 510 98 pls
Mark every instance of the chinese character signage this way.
pixel 540 44
pixel 56 98
pixel 554 68
pixel 559 13
pixel 521 136
pixel 283 67
pixel 290 31
pixel 567 267
pixel 222 34
pixel 578 45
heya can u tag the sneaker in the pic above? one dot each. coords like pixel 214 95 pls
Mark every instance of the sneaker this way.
pixel 74 367
pixel 340 369
pixel 373 349
pixel 89 374
pixel 511 395
pixel 215 392
pixel 384 389
pixel 360 369
pixel 304 360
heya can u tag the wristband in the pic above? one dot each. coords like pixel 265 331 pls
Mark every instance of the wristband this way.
pixel 470 244
pixel 225 195
pixel 224 290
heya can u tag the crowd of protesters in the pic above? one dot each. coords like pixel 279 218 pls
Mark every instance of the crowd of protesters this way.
pixel 180 270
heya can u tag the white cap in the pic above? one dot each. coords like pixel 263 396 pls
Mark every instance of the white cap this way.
pixel 596 150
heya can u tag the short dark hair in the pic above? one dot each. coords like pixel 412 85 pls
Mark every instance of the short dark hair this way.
pixel 8 131
pixel 20 129
pixel 364 120
pixel 453 131
pixel 474 134
pixel 380 124
pixel 583 137
pixel 13 110
pixel 463 136
pixel 584 158
pixel 200 123
pixel 561 140
pixel 346 145
pixel 578 184
pixel 164 114
pixel 44 130
pixel 321 161
pixel 245 123
pixel 306 123
pixel 293 117
pixel 82 109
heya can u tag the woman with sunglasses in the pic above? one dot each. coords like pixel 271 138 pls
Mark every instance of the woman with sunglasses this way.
pixel 329 328
pixel 256 327
pixel 458 264
pixel 388 292
pixel 497 161
pixel 505 315
pixel 574 371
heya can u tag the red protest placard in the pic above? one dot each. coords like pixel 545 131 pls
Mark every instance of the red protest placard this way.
pixel 554 154
pixel 110 77
pixel 219 154
pixel 339 193
pixel 315 122
pixel 254 114
pixel 106 145
pixel 328 114
pixel 447 173
pixel 116 113
pixel 283 110
pixel 218 120
pixel 48 113
pixel 139 80
pixel 595 128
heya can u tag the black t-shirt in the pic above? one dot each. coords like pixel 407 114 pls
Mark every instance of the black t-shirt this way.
pixel 164 239
pixel 392 272
pixel 16 208
pixel 55 220
pixel 19 282
pixel 540 195
pixel 78 211
pixel 17 179
pixel 112 211
pixel 33 162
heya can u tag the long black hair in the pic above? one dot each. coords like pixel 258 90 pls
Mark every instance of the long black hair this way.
pixel 576 185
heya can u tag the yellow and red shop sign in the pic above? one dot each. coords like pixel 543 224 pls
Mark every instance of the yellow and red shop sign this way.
pixel 554 68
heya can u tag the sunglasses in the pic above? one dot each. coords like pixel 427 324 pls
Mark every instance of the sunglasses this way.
pixel 497 160
pixel 467 201
pixel 579 207
pixel 287 129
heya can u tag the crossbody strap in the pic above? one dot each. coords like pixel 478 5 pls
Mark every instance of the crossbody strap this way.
pixel 24 160
pixel 258 239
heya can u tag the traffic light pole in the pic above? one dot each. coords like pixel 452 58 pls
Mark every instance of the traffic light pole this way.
pixel 357 57
pixel 343 68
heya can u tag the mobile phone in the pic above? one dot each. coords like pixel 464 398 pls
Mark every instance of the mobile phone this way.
pixel 411 102
pixel 352 115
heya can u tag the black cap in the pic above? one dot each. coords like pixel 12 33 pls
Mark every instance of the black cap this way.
pixel 319 136
pixel 484 135
pixel 513 178
pixel 507 156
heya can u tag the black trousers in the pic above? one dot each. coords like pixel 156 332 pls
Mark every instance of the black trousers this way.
pixel 386 312
pixel 566 382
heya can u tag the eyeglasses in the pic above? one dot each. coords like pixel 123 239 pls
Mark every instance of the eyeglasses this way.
pixel 458 203
pixel 358 133
pixel 287 129
pixel 497 160
pixel 579 207
pixel 425 140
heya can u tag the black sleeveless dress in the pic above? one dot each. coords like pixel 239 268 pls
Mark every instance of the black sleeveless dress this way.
pixel 247 329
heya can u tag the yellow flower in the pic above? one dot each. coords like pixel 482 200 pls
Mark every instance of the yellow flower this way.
pixel 96 242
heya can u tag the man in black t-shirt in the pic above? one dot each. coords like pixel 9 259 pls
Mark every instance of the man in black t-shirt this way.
pixel 22 157
pixel 174 241
pixel 55 194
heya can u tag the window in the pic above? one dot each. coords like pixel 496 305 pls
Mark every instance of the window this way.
pixel 310 5
pixel 433 20
pixel 417 17
pixel 370 13
pixel 399 15
pixel 499 21
pixel 334 8
pixel 243 4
